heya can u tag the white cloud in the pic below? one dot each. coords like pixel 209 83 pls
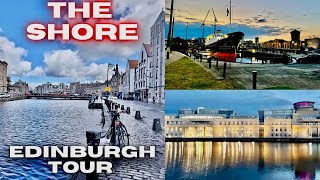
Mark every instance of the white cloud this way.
pixel 13 55
pixel 144 12
pixel 68 64
pixel 38 71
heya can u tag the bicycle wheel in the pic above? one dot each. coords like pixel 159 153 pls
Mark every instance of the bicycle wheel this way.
pixel 123 136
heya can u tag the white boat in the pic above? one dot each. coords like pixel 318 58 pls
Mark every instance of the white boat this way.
pixel 213 38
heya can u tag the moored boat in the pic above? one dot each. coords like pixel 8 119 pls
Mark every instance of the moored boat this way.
pixel 224 47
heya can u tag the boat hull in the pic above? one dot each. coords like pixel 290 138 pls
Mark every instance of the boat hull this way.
pixel 226 49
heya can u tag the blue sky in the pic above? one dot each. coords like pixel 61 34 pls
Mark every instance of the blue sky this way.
pixel 39 62
pixel 242 102
pixel 267 19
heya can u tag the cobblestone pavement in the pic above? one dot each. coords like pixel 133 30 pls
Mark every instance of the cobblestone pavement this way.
pixel 141 134
pixel 294 76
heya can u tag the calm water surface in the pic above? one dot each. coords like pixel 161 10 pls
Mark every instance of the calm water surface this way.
pixel 237 160
pixel 40 123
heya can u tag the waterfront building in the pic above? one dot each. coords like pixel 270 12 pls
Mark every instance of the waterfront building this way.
pixel 303 121
pixel 143 74
pixel 75 88
pixel 3 77
pixel 312 43
pixel 19 89
pixel 50 88
pixel 158 59
pixel 92 88
pixel 149 73
pixel 281 44
pixel 129 79
pixel 115 81
pixel 295 39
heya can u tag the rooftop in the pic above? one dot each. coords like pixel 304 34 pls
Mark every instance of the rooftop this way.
pixel 133 63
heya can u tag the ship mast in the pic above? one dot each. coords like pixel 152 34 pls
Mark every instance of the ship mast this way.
pixel 230 17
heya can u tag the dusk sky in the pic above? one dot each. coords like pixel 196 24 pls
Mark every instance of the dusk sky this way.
pixel 246 102
pixel 41 62
pixel 268 19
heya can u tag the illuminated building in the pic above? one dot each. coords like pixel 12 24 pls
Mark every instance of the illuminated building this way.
pixel 313 43
pixel 282 44
pixel 303 121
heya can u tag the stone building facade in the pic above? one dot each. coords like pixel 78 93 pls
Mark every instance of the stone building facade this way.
pixel 3 77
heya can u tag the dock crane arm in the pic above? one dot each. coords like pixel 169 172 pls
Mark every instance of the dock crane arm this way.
pixel 204 21
pixel 215 22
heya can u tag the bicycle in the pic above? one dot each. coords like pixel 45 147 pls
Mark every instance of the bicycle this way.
pixel 117 132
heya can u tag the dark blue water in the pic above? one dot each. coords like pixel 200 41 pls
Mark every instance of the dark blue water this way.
pixel 235 160
pixel 242 102
pixel 41 123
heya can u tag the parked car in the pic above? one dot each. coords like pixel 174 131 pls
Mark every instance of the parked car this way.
pixel 2 95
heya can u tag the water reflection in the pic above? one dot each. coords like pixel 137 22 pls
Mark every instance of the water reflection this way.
pixel 242 160
pixel 41 123
pixel 252 60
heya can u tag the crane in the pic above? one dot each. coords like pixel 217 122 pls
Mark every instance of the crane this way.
pixel 215 22
pixel 203 24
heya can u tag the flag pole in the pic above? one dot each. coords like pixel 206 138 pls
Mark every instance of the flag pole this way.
pixel 230 17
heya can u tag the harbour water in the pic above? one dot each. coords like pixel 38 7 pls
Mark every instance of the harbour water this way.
pixel 242 160
pixel 42 123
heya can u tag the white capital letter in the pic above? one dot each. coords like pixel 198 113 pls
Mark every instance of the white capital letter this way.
pixel 77 36
pixel 104 166
pixel 126 34
pixel 101 31
pixel 55 165
pixel 31 155
pixel 57 8
pixel 36 32
pixel 16 152
pixel 102 10
pixel 64 32
pixel 85 10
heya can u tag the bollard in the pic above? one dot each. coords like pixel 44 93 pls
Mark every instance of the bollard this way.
pixel 93 138
pixel 254 79
pixel 217 64
pixel 209 60
pixel 122 108
pixel 168 55
pixel 224 70
pixel 201 58
pixel 128 110
pixel 156 125
pixel 138 115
